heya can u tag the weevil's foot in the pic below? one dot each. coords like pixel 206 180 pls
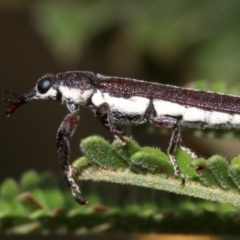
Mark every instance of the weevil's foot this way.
pixel 179 174
pixel 80 200
pixel 183 180
pixel 74 186
pixel 76 193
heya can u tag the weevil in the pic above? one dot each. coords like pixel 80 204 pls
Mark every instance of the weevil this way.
pixel 123 101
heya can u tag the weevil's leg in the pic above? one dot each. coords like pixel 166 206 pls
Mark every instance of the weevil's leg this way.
pixel 175 140
pixel 65 131
pixel 105 114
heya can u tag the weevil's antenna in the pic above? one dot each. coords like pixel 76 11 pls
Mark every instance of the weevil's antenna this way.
pixel 5 90
pixel 5 100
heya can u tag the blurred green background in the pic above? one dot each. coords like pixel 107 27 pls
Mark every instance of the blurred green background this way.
pixel 174 42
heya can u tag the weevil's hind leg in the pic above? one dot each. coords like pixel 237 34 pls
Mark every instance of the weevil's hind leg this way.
pixel 65 131
pixel 105 114
pixel 175 140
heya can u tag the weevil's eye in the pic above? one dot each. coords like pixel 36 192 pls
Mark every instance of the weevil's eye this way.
pixel 44 85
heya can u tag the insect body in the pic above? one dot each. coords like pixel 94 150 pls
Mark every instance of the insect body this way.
pixel 118 101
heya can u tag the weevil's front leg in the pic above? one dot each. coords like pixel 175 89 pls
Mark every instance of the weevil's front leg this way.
pixel 105 114
pixel 65 131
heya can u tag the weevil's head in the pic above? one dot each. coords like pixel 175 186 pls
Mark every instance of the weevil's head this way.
pixel 73 88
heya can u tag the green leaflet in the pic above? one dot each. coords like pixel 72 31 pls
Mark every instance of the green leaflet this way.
pixel 234 171
pixel 100 152
pixel 152 160
pixel 126 150
pixel 204 174
pixel 38 204
pixel 219 168
pixel 211 179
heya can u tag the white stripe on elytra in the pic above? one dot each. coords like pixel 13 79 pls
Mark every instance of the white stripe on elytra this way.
pixel 164 108
pixel 128 106
pixel 190 116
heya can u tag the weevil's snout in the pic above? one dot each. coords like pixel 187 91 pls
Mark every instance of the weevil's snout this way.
pixel 20 101
pixel 46 88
